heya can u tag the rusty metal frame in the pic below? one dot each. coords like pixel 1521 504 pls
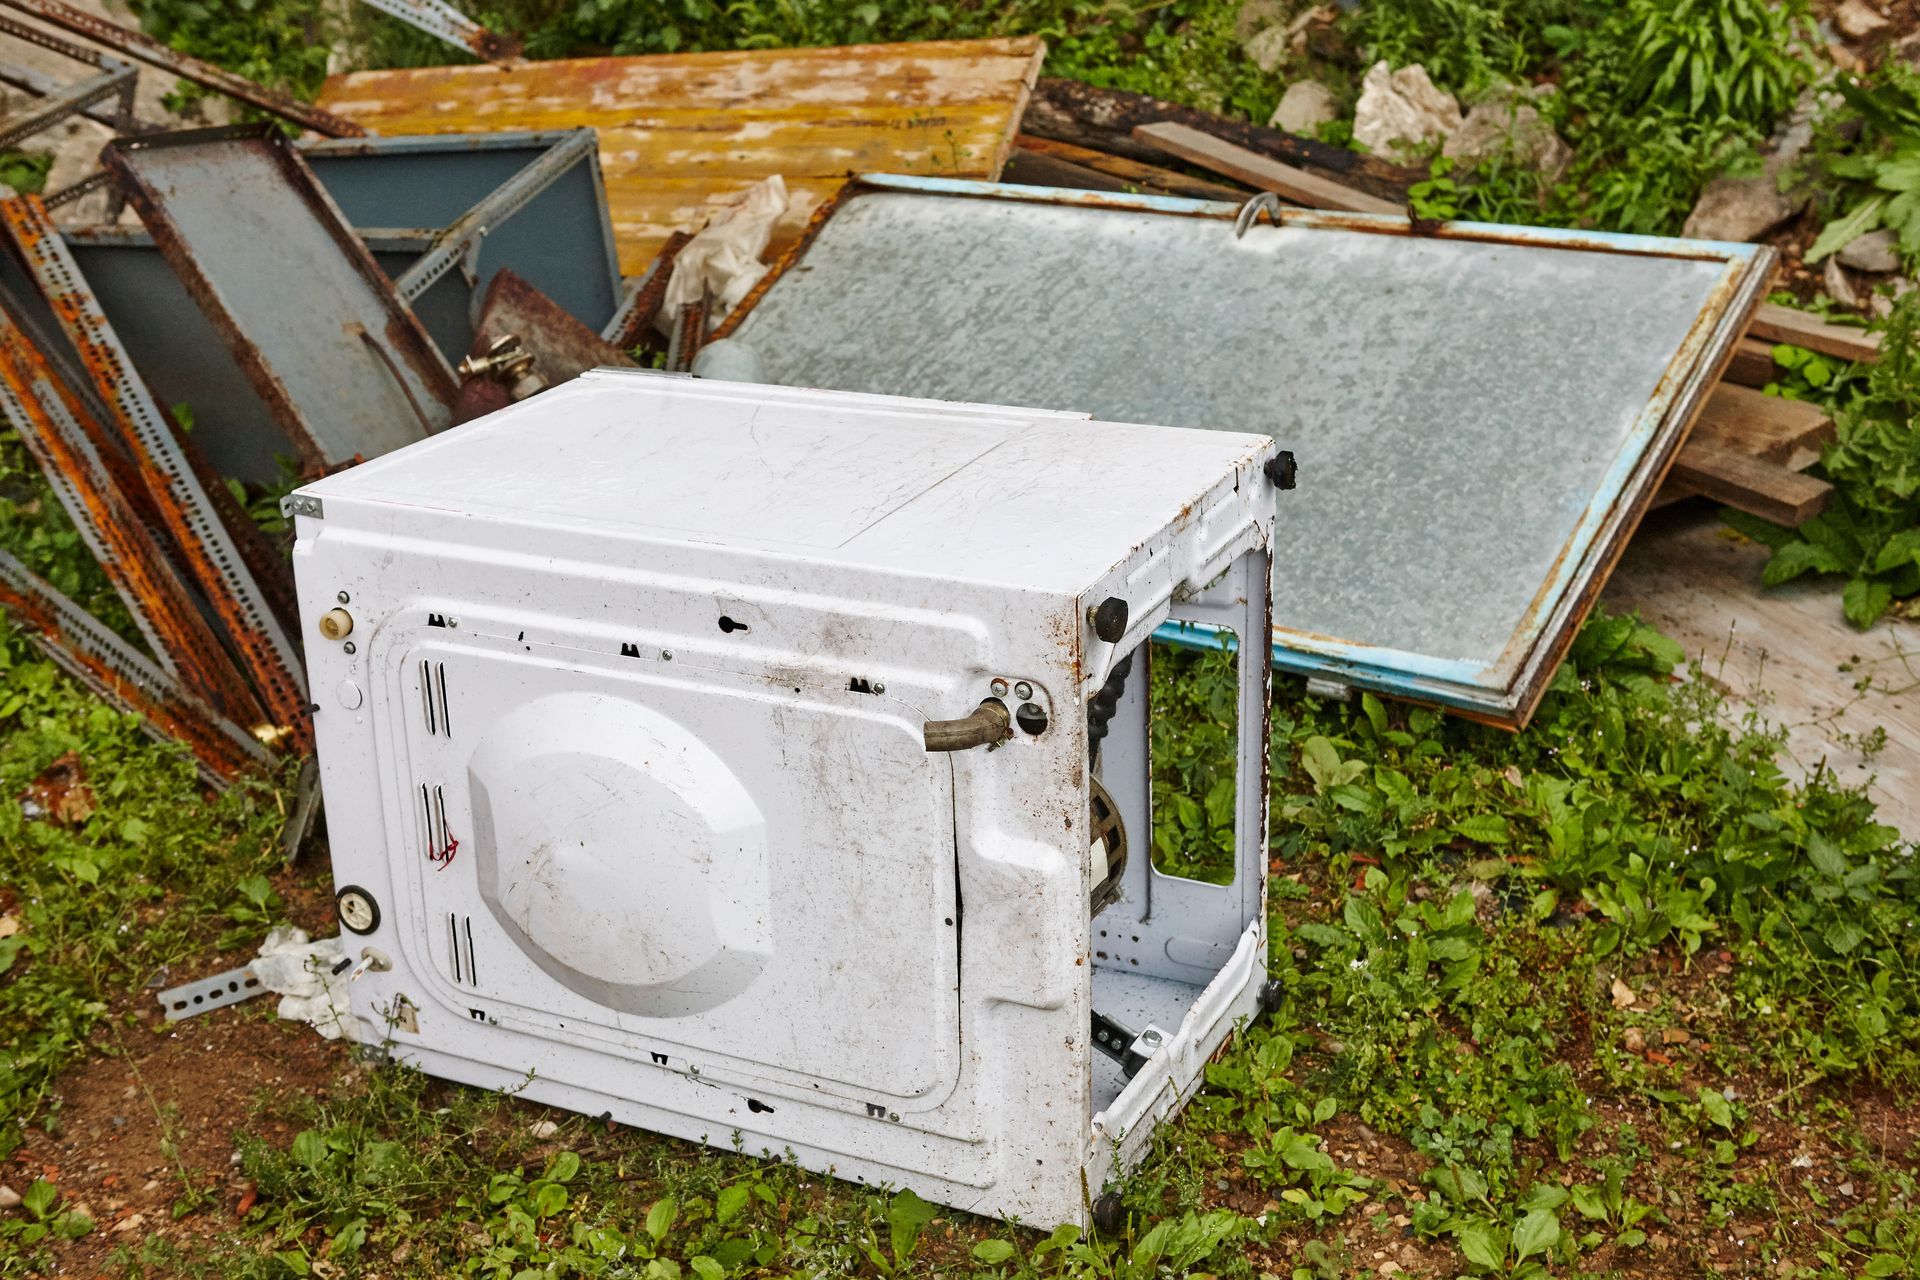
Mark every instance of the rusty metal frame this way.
pixel 413 362
pixel 181 501
pixel 144 48
pixel 56 426
pixel 77 643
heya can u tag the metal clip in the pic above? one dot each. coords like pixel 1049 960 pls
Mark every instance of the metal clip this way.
pixel 1251 210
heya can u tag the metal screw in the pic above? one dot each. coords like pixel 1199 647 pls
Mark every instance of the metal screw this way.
pixel 1023 691
pixel 342 597
pixel 350 647
pixel 1150 1037
pixel 666 655
pixel 453 622
pixel 878 687
pixel 894 1116
pixel 999 688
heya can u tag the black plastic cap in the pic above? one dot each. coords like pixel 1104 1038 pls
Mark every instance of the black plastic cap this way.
pixel 1109 619
pixel 1283 470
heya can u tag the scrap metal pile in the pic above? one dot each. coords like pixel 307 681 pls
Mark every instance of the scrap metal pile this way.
pixel 1485 413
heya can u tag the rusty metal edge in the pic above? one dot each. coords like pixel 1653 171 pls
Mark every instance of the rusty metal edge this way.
pixel 144 48
pixel 77 643
pixel 153 590
pixel 422 357
pixel 209 551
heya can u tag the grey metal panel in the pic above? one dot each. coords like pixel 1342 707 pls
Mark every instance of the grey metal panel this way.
pixel 1477 414
pixel 181 357
pixel 313 324
pixel 397 193
pixel 561 242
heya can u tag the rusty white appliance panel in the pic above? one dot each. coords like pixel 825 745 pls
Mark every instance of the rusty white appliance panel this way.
pixel 629 698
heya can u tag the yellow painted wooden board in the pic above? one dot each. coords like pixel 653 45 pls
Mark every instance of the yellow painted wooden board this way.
pixel 680 132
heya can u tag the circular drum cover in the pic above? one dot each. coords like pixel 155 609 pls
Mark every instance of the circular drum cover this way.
pixel 621 854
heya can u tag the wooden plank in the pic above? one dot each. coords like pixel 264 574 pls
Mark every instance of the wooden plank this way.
pixel 1785 652
pixel 1752 364
pixel 679 133
pixel 1038 169
pixel 1284 180
pixel 1783 324
pixel 1784 435
pixel 1069 111
pixel 1761 488
pixel 1137 176
pixel 1761 426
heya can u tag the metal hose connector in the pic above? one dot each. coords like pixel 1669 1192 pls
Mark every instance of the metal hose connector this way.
pixel 989 723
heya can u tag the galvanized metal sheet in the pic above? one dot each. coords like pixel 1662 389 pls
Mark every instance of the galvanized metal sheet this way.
pixel 316 328
pixel 1479 412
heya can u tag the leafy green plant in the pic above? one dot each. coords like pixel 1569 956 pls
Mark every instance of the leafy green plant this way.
pixel 1721 59
pixel 1194 695
pixel 1869 165
pixel 1466 45
pixel 1870 534
pixel 25 171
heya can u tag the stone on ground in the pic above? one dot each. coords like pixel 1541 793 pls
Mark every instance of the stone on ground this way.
pixel 1304 107
pixel 1402 110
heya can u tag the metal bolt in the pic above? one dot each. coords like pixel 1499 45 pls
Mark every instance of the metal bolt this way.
pixel 666 655
pixel 878 687
pixel 452 621
pixel 999 688
pixel 342 597
pixel 1150 1037
pixel 1023 691
pixel 350 647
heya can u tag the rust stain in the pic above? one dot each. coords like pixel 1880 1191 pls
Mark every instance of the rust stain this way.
pixel 168 495
pixel 133 560
pixel 678 132
pixel 172 712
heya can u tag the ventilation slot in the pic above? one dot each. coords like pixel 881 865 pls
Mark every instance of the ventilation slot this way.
pixel 433 699
pixel 460 946
pixel 436 836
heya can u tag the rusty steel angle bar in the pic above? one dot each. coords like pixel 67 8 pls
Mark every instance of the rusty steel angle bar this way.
pixel 144 48
pixel 48 416
pixel 210 553
pixel 77 643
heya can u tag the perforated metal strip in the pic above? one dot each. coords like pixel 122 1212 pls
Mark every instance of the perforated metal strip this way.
pixel 182 503
pixel 47 416
pixel 118 672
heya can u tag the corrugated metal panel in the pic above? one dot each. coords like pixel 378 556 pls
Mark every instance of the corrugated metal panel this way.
pixel 1480 413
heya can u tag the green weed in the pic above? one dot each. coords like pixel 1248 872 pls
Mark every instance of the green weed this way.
pixel 1870 535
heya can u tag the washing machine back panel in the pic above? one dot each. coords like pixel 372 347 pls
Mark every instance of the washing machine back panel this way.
pixel 655 853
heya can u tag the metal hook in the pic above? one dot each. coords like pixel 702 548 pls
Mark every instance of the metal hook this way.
pixel 1250 212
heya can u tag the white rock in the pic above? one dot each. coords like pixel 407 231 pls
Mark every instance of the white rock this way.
pixel 1743 208
pixel 1267 49
pixel 541 1130
pixel 1504 127
pixel 1838 285
pixel 1306 105
pixel 1402 110
pixel 9 1198
pixel 1845 1188
pixel 1856 19
pixel 1803 1162
pixel 1875 252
